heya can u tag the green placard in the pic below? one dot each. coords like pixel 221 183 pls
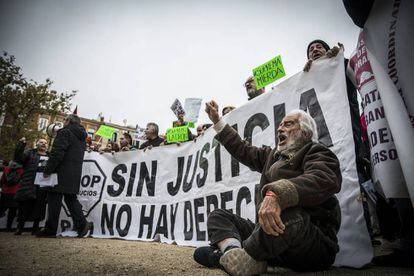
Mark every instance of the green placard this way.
pixel 268 72
pixel 177 134
pixel 105 131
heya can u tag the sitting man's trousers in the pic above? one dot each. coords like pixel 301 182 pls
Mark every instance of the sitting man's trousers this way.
pixel 302 247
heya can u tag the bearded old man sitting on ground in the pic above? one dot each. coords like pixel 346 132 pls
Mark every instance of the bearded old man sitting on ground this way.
pixel 299 216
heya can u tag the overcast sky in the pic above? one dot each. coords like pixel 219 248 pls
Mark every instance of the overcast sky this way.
pixel 131 59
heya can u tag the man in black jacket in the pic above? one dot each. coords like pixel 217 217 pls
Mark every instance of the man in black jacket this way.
pixel 151 134
pixel 66 160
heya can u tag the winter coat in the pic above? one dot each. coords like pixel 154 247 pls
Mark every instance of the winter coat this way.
pixel 154 142
pixel 66 158
pixel 308 179
pixel 8 188
pixel 29 159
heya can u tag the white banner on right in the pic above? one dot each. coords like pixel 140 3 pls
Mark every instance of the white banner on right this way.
pixel 383 153
pixel 389 43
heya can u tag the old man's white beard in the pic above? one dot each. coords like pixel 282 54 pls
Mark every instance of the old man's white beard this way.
pixel 294 143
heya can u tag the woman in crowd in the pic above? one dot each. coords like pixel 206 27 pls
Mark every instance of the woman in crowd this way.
pixel 31 198
pixel 9 182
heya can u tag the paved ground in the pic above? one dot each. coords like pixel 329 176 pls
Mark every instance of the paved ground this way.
pixel 27 255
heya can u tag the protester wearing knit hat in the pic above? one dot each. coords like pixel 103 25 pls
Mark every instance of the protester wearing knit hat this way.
pixel 315 50
pixel 321 42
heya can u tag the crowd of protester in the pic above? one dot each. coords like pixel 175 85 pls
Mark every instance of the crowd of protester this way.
pixel 389 221
pixel 21 197
pixel 21 194
pixel 151 138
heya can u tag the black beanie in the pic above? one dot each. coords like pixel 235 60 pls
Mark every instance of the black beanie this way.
pixel 324 44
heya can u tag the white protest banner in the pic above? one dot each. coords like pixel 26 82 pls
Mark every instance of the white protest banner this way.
pixel 384 156
pixel 192 109
pixel 171 190
pixel 177 107
pixel 389 42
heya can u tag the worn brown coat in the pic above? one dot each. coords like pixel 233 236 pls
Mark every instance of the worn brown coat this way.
pixel 308 179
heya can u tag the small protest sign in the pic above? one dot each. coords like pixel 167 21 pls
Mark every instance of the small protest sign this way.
pixel 177 108
pixel 177 134
pixel 192 109
pixel 105 131
pixel 139 133
pixel 268 72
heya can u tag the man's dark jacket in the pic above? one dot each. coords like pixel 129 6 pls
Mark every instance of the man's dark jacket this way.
pixel 154 142
pixel 66 158
pixel 308 179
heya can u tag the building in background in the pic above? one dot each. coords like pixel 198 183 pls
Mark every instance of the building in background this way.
pixel 42 121
pixel 91 126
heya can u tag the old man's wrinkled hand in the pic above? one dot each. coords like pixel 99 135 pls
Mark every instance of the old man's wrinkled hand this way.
pixel 269 215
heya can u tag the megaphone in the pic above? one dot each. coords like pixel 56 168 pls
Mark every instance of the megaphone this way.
pixel 52 129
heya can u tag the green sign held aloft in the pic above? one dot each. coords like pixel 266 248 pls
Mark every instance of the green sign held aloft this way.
pixel 105 131
pixel 268 72
pixel 177 134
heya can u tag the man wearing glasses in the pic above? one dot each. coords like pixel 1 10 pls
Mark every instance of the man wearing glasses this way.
pixel 298 213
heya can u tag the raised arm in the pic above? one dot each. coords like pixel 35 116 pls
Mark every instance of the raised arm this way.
pixel 20 155
pixel 251 156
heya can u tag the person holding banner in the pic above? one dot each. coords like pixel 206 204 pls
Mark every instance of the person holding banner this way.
pixel 299 215
pixel 181 122
pixel 66 159
pixel 151 134
pixel 126 142
pixel 316 50
pixel 227 109
pixel 111 147
pixel 319 48
pixel 200 130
